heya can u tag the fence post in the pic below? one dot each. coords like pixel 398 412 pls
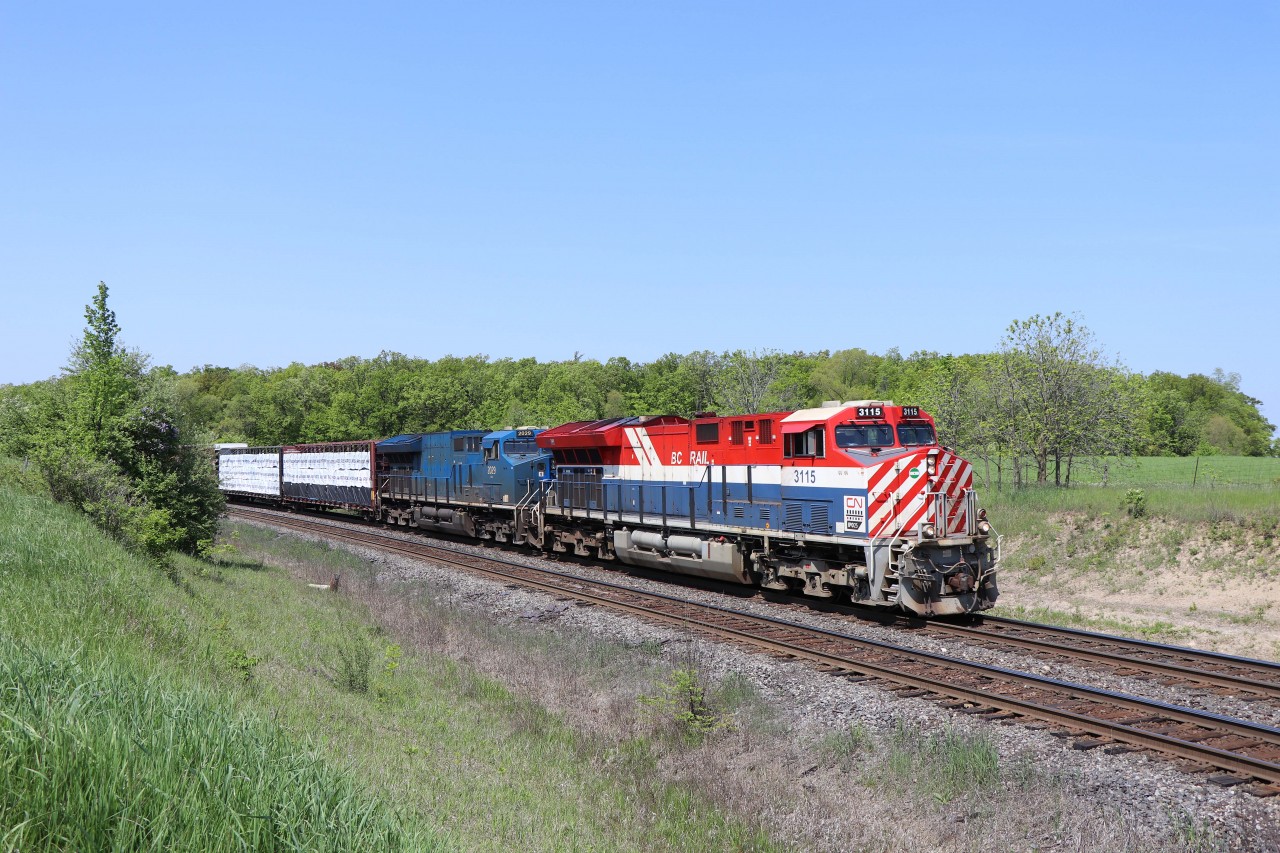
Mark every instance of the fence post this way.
pixel 1195 473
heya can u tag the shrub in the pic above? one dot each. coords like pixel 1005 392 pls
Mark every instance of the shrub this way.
pixel 355 658
pixel 1135 503
pixel 682 701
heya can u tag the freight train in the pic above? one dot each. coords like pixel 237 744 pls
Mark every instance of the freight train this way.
pixel 855 501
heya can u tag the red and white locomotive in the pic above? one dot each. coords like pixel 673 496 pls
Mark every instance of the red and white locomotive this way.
pixel 854 500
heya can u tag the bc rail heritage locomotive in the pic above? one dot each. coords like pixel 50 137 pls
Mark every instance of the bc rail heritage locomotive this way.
pixel 851 500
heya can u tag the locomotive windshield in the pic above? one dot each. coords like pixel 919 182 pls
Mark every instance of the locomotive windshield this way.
pixel 909 434
pixel 514 447
pixel 864 435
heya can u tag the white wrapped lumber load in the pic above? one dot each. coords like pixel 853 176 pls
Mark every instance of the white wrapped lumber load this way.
pixel 250 470
pixel 333 474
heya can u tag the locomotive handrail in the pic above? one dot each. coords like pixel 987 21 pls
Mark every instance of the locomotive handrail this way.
pixel 565 498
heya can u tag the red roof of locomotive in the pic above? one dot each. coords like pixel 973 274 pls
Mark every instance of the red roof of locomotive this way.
pixel 605 433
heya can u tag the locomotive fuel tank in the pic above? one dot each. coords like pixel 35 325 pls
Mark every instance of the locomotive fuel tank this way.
pixel 684 554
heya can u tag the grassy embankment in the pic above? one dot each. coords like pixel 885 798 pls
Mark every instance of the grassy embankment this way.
pixel 225 705
pixel 1166 563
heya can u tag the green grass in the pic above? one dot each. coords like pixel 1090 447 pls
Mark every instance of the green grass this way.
pixel 1157 631
pixel 1015 511
pixel 844 748
pixel 228 705
pixel 107 742
pixel 448 740
pixel 96 757
pixel 942 764
pixel 1205 472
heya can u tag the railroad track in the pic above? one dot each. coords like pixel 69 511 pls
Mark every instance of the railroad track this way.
pixel 1223 750
pixel 1175 666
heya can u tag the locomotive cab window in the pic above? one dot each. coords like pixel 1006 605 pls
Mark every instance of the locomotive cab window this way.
pixel 519 447
pixel 915 434
pixel 858 436
pixel 808 443
pixel 491 452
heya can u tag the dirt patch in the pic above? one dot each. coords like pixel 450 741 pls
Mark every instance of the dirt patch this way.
pixel 1212 585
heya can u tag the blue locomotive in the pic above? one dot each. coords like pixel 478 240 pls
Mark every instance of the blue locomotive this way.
pixel 461 481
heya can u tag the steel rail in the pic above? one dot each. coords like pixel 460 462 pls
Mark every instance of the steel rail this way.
pixel 1124 730
pixel 1164 648
pixel 1119 659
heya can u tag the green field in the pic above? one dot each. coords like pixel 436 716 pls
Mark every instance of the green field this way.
pixel 1203 472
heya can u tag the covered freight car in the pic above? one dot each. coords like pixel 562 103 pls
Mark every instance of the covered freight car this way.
pixel 339 474
pixel 251 472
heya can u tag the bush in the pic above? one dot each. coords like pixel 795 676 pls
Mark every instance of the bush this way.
pixel 110 438
pixel 96 487
pixel 1135 503
pixel 355 658
pixel 23 475
pixel 682 701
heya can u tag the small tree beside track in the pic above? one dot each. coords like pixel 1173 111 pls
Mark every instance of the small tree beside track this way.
pixel 110 437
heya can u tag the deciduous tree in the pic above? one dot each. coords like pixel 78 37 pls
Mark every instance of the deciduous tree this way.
pixel 1065 397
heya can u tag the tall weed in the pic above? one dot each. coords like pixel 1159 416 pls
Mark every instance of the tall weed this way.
pixel 95 758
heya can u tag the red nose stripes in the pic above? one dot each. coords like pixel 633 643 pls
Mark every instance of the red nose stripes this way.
pixel 898 493
pixel 955 482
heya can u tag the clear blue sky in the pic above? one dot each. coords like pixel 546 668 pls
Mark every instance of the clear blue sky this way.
pixel 263 183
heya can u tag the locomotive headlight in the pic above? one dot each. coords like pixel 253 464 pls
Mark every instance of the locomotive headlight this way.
pixel 931 462
pixel 984 527
pixel 928 531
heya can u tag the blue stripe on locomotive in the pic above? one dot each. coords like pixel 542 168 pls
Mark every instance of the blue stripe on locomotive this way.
pixel 470 466
pixel 811 510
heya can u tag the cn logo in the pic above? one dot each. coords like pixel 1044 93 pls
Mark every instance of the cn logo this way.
pixel 855 513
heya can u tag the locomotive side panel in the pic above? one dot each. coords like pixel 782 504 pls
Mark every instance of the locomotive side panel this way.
pixel 465 482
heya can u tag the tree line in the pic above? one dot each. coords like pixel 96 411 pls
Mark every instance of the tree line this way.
pixel 1048 393
pixel 118 436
